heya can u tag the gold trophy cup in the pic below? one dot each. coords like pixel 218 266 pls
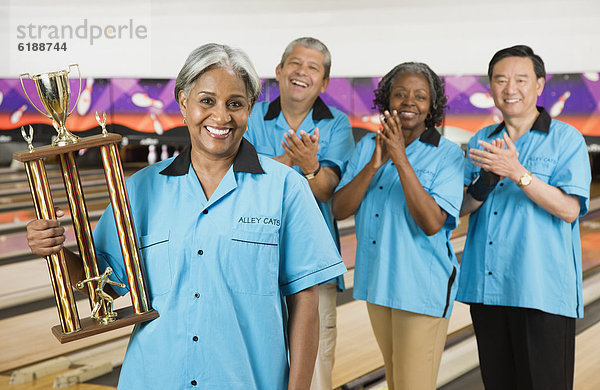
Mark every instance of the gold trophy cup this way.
pixel 55 95
pixel 54 92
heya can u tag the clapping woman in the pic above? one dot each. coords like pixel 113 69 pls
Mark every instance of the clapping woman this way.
pixel 404 185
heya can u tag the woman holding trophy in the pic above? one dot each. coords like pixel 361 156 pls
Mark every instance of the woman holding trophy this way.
pixel 225 236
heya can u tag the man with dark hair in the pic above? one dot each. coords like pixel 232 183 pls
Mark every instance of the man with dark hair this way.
pixel 527 182
pixel 299 130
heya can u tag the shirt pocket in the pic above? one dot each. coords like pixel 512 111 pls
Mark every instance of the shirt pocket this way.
pixel 425 177
pixel 542 168
pixel 253 262
pixel 155 252
pixel 397 199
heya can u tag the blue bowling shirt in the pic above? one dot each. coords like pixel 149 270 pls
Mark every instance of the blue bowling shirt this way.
pixel 518 254
pixel 397 264
pixel 267 125
pixel 218 271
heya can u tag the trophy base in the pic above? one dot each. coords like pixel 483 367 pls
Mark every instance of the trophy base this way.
pixel 91 327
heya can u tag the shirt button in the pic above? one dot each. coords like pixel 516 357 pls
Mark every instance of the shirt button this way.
pixel 195 338
pixel 194 383
pixel 489 273
pixel 501 184
pixel 197 295
pixel 495 213
pixel 377 215
pixel 200 252
pixel 490 243
pixel 381 187
pixel 374 242
pixel 205 212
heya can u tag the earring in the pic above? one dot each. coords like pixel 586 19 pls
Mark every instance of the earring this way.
pixel 184 122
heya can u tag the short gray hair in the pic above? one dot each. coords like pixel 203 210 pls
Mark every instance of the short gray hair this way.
pixel 311 43
pixel 212 55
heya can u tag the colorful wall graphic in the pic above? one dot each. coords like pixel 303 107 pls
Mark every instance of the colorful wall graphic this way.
pixel 145 111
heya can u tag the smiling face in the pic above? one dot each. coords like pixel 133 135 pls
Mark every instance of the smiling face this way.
pixel 410 96
pixel 301 78
pixel 216 111
pixel 515 87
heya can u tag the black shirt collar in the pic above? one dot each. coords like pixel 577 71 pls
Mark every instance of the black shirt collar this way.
pixel 246 160
pixel 320 110
pixel 431 136
pixel 542 123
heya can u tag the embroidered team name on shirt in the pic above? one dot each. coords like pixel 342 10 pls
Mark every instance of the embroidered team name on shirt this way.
pixel 541 160
pixel 260 221
pixel 425 176
pixel 424 173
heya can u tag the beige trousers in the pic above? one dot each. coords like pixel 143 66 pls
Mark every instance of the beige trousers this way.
pixel 321 379
pixel 411 345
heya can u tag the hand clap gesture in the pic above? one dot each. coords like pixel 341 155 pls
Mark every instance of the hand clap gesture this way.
pixel 500 157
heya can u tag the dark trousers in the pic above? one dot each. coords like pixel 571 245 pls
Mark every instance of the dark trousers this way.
pixel 524 349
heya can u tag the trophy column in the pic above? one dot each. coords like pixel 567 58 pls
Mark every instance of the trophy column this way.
pixel 81 224
pixel 59 275
pixel 125 228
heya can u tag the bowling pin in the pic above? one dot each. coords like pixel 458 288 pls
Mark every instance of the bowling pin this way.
pixel 372 118
pixel 164 154
pixel 143 100
pixel 481 100
pixel 157 103
pixel 559 105
pixel 151 154
pixel 176 153
pixel 16 116
pixel 158 128
pixel 85 100
pixel 1 97
pixel 592 76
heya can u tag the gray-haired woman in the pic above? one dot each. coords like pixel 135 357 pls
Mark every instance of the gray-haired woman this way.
pixel 405 186
pixel 226 235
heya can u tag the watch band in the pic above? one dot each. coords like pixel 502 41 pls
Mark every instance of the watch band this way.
pixel 310 176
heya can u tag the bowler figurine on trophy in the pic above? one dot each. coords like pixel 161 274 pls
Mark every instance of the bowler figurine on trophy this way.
pixel 54 93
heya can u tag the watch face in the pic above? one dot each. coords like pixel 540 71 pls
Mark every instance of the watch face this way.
pixel 525 180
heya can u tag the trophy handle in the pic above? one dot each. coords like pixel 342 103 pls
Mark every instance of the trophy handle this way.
pixel 27 96
pixel 79 94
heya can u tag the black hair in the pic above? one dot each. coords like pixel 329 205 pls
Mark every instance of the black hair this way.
pixel 519 51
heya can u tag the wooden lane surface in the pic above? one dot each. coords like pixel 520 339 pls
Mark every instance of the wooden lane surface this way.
pixel 356 352
pixel 587 359
pixel 27 338
pixel 46 383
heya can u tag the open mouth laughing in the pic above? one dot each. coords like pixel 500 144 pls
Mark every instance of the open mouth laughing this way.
pixel 407 115
pixel 511 101
pixel 299 83
pixel 218 132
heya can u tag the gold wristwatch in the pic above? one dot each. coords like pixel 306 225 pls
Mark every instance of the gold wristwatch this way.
pixel 525 180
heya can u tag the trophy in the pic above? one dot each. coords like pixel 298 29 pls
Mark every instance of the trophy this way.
pixel 54 93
